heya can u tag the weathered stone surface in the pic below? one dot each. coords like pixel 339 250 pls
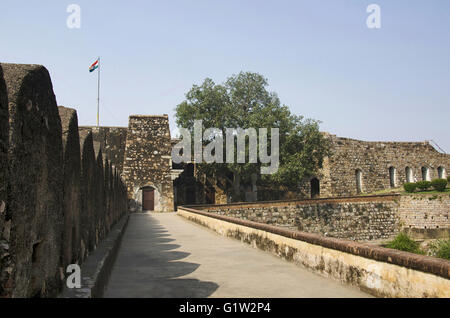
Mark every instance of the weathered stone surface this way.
pixel 109 187
pixel 88 191
pixel 35 181
pixel 5 256
pixel 148 161
pixel 112 141
pixel 97 268
pixel 4 129
pixel 99 197
pixel 356 218
pixel 72 183
pixel 53 200
pixel 99 210
pixel 361 218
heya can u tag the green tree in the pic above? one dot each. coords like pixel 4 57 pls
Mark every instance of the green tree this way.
pixel 244 101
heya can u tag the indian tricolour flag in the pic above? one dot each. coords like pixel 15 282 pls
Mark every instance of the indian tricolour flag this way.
pixel 94 66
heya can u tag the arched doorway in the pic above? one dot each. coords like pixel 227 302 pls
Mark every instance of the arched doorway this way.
pixel 425 174
pixel 315 188
pixel 210 195
pixel 392 177
pixel 409 175
pixel 441 173
pixel 358 175
pixel 148 199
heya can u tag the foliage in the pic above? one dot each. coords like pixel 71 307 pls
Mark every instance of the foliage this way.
pixel 439 184
pixel 404 243
pixel 440 248
pixel 423 185
pixel 410 187
pixel 243 101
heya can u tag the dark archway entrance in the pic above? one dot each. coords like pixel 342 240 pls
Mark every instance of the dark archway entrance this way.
pixel 315 188
pixel 190 196
pixel 148 199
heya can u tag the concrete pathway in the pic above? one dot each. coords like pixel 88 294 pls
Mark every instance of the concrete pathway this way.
pixel 164 255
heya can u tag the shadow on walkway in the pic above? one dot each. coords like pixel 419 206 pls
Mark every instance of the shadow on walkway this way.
pixel 147 266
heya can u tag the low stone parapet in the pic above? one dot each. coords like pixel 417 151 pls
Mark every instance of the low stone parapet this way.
pixel 379 271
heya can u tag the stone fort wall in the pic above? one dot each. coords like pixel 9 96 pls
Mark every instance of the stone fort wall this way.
pixel 377 165
pixel 425 215
pixel 141 154
pixel 112 141
pixel 54 194
pixel 359 218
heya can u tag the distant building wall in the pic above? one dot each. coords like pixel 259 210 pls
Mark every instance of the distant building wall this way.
pixel 425 215
pixel 356 218
pixel 5 217
pixel 35 182
pixel 72 186
pixel 363 167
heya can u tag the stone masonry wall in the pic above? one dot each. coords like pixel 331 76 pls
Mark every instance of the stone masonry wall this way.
pixel 5 256
pixel 49 193
pixel 430 211
pixel 361 218
pixel 148 161
pixel 112 140
pixel 373 159
pixel 356 218
pixel 35 181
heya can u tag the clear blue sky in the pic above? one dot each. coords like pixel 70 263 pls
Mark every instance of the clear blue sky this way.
pixel 391 83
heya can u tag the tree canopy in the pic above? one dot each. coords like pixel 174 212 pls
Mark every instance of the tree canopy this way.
pixel 243 101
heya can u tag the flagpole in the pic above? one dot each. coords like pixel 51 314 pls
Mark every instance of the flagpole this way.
pixel 98 94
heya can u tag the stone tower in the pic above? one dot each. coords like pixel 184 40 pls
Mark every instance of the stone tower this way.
pixel 148 164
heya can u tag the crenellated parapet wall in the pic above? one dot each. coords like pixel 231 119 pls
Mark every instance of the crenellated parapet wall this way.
pixel 112 141
pixel 49 193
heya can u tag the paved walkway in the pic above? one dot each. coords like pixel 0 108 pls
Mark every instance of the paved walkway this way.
pixel 164 255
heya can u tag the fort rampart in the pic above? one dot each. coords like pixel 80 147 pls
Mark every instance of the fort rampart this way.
pixel 53 210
